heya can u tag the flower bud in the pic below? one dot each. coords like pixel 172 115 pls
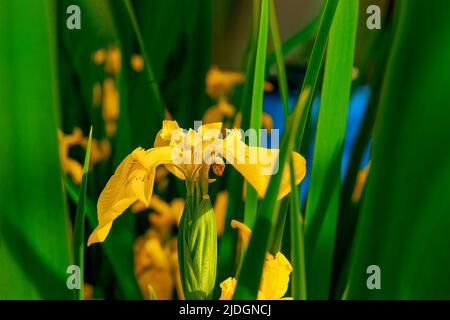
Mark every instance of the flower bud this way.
pixel 197 249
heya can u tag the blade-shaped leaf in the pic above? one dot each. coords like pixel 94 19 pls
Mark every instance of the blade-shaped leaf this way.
pixel 35 248
pixel 78 231
pixel 404 220
pixel 324 190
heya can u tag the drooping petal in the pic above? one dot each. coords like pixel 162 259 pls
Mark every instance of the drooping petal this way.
pixel 275 277
pixel 258 164
pixel 210 131
pixel 244 231
pixel 133 180
pixel 228 286
pixel 164 138
pixel 213 114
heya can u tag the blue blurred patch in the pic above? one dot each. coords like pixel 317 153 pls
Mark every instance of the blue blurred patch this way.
pixel 357 108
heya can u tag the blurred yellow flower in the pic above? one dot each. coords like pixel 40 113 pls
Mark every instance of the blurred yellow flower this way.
pixel 97 94
pixel 266 121
pixel 244 232
pixel 360 183
pixel 274 280
pixel 99 56
pixel 99 151
pixel 220 83
pixel 275 277
pixel 228 286
pixel 275 274
pixel 137 62
pixel 134 178
pixel 88 293
pixel 220 209
pixel 69 165
pixel 176 267
pixel 153 266
pixel 165 215
pixel 217 113
pixel 111 109
pixel 113 60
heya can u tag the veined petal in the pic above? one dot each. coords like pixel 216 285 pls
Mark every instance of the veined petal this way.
pixel 258 164
pixel 133 180
pixel 275 276
pixel 164 135
pixel 164 138
pixel 228 286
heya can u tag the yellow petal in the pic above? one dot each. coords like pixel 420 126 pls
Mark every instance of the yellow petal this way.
pixel 164 135
pixel 96 94
pixel 99 56
pixel 226 108
pixel 113 60
pixel 177 207
pixel 110 105
pixel 133 180
pixel 220 209
pixel 267 121
pixel 258 164
pixel 238 120
pixel 275 276
pixel 244 231
pixel 210 131
pixel 73 169
pixel 360 183
pixel 137 62
pixel 228 286
pixel 268 86
pixel 219 83
pixel 212 114
pixel 163 138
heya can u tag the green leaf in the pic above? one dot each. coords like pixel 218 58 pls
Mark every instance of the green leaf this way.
pixel 348 208
pixel 315 64
pixel 404 220
pixel 294 41
pixel 250 276
pixel 78 231
pixel 324 190
pixel 158 106
pixel 118 247
pixel 284 91
pixel 298 282
pixel 281 70
pixel 35 246
pixel 227 265
pixel 251 199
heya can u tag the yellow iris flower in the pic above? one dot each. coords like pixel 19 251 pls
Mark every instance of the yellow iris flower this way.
pixel 275 275
pixel 100 150
pixel 133 180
